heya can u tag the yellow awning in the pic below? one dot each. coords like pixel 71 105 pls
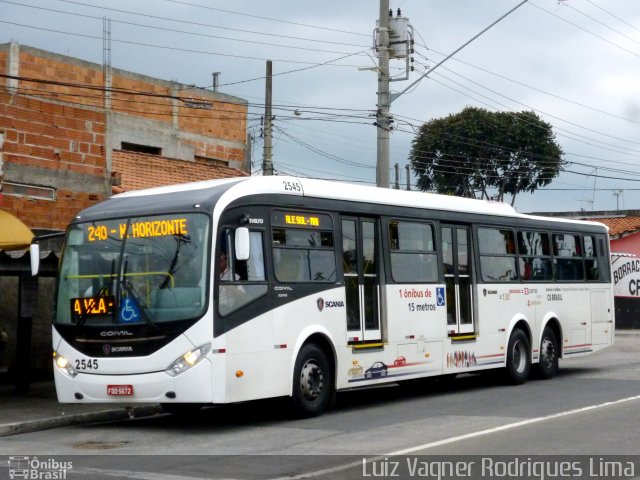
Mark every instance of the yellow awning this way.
pixel 14 235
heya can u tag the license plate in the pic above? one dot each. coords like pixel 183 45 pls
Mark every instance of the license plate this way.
pixel 120 390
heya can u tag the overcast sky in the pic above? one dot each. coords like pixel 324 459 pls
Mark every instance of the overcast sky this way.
pixel 576 63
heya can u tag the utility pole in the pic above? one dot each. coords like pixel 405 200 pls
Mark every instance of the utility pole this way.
pixel 267 165
pixel 408 177
pixel 382 118
pixel 617 194
pixel 216 81
pixel 397 171
pixel 385 97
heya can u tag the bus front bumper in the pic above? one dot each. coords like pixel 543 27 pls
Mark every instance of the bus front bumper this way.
pixel 192 386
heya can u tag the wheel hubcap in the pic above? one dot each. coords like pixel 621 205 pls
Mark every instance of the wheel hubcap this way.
pixel 311 380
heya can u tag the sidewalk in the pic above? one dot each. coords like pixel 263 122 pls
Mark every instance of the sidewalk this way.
pixel 39 410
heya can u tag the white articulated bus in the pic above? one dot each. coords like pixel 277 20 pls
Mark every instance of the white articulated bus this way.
pixel 247 288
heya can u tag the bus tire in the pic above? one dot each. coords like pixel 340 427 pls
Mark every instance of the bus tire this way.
pixel 313 384
pixel 549 354
pixel 518 358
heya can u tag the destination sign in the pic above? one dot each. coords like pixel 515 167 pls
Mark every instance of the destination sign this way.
pixel 302 219
pixel 306 220
pixel 143 229
pixel 87 307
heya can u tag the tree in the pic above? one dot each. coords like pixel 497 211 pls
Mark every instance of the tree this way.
pixel 475 151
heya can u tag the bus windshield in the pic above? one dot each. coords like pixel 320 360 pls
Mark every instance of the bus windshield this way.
pixel 149 270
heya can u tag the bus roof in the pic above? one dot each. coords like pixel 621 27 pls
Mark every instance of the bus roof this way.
pixel 237 187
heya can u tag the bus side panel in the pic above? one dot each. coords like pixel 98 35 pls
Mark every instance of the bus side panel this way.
pixel 602 322
pixel 260 363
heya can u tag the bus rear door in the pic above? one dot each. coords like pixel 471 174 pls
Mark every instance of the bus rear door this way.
pixel 456 253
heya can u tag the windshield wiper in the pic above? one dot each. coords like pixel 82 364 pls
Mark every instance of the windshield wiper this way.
pixel 180 239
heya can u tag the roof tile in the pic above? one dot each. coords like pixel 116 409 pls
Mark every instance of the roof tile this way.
pixel 619 225
pixel 142 170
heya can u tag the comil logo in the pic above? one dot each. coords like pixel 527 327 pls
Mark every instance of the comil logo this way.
pixel 38 469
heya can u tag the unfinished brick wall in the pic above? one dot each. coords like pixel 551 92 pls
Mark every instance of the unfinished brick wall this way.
pixel 51 145
pixel 55 135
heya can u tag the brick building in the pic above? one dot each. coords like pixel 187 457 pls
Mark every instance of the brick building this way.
pixel 61 119
pixel 71 132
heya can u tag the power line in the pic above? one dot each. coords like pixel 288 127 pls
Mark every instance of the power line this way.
pixel 532 87
pixel 208 25
pixel 185 32
pixel 586 30
pixel 176 49
pixel 614 16
pixel 268 18
pixel 602 23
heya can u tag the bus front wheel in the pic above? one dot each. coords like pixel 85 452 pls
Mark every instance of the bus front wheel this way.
pixel 313 383
pixel 549 351
pixel 518 358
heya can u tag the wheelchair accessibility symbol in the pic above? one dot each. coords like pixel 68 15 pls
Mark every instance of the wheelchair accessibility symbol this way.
pixel 129 312
pixel 440 296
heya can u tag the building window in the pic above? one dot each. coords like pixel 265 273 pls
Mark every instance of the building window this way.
pixel 29 191
pixel 136 147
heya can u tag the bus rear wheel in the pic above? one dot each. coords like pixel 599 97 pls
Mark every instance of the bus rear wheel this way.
pixel 313 384
pixel 518 358
pixel 548 366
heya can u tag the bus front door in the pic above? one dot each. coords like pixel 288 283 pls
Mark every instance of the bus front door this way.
pixel 360 240
pixel 456 253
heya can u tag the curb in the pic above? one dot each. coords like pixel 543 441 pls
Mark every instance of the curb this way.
pixel 111 415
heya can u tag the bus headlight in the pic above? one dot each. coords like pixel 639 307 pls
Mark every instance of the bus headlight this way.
pixel 188 360
pixel 64 365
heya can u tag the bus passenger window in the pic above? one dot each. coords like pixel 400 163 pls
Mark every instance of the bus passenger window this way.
pixel 591 261
pixel 303 255
pixel 535 256
pixel 240 282
pixel 413 256
pixel 497 255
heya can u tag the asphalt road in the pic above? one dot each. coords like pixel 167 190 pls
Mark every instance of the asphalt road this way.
pixel 591 408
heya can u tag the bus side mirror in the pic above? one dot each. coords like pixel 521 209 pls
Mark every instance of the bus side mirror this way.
pixel 243 245
pixel 34 253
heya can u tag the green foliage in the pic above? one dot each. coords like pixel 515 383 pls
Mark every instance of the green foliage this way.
pixel 472 152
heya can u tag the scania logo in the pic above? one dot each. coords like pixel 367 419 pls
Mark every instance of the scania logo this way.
pixel 108 349
pixel 116 333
